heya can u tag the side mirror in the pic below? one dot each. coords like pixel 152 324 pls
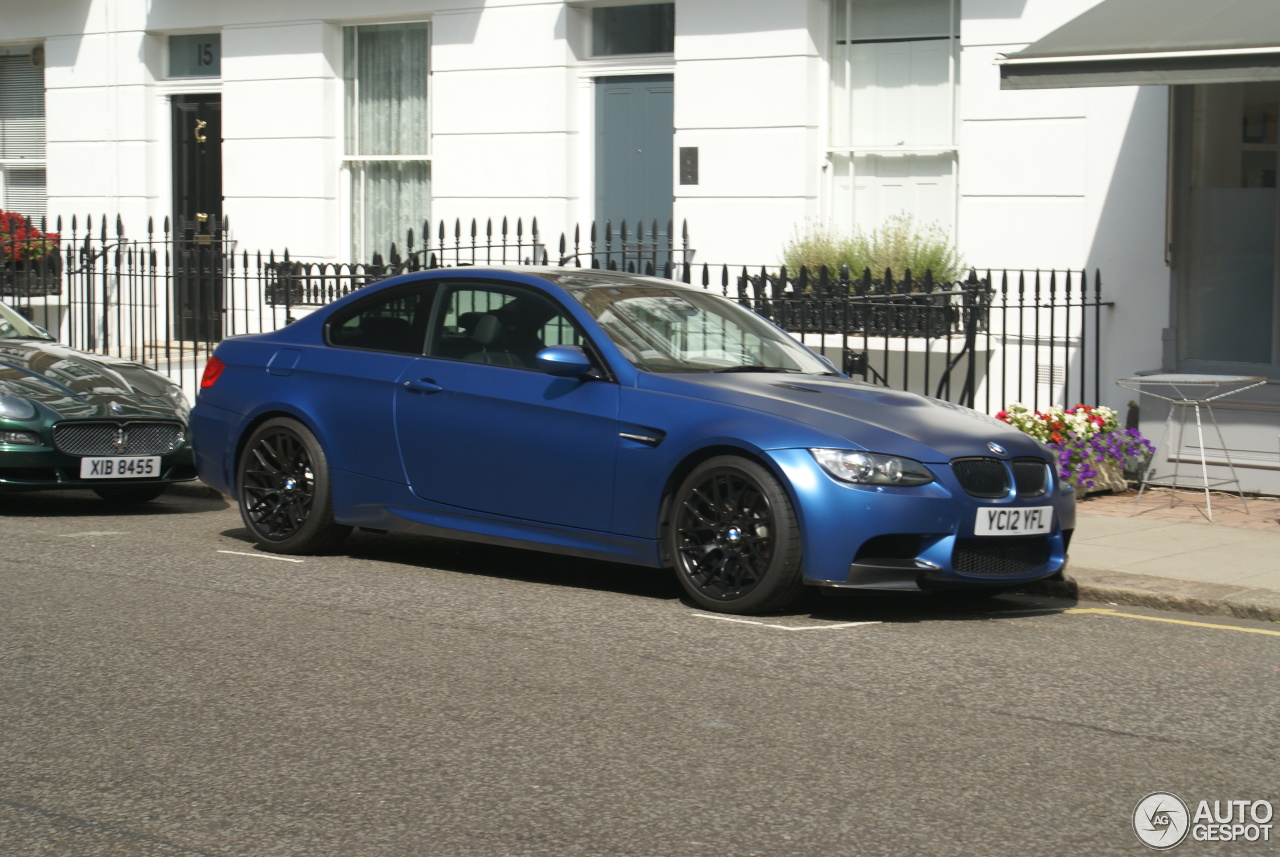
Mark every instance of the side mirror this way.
pixel 563 361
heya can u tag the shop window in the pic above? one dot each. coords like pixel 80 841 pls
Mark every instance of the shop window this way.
pixel 1228 269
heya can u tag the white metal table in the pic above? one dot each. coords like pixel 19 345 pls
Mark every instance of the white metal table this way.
pixel 1192 393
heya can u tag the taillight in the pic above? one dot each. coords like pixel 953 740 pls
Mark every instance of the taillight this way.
pixel 212 372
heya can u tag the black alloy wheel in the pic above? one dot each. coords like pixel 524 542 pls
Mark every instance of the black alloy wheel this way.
pixel 734 538
pixel 284 490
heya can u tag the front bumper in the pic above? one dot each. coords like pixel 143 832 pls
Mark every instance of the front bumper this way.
pixel 42 468
pixel 920 538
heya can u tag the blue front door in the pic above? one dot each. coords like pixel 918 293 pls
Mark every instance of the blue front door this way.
pixel 635 124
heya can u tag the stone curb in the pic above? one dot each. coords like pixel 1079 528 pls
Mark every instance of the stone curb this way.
pixel 1139 590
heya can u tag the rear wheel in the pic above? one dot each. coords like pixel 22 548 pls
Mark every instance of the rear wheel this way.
pixel 734 538
pixel 284 490
pixel 130 493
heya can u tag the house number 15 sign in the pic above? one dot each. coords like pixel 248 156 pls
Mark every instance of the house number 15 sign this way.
pixel 195 55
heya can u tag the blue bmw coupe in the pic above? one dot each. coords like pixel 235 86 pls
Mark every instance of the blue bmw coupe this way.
pixel 623 418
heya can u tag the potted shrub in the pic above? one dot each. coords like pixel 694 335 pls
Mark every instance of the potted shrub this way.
pixel 901 282
pixel 898 245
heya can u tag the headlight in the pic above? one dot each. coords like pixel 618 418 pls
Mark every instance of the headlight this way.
pixel 15 407
pixel 869 468
pixel 179 399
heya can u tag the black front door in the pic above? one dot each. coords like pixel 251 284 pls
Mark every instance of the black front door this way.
pixel 197 217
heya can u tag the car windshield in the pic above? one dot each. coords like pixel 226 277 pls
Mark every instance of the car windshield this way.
pixel 14 326
pixel 663 329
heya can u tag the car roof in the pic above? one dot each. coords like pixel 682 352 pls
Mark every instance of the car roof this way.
pixel 576 278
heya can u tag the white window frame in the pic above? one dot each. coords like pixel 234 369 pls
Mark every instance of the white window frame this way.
pixel 836 200
pixel 35 53
pixel 351 164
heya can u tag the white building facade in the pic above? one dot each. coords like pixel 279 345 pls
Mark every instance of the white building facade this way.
pixel 328 128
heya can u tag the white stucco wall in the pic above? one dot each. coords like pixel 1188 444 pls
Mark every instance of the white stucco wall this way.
pixel 512 114
pixel 750 95
pixel 1047 179
pixel 1066 179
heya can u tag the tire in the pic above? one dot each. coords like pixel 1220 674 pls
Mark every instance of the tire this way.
pixel 130 493
pixel 283 490
pixel 734 538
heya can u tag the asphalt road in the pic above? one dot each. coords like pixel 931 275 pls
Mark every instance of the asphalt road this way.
pixel 165 689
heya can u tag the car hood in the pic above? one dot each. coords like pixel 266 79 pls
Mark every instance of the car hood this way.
pixel 868 417
pixel 77 385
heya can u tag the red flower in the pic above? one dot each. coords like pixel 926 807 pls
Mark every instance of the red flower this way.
pixel 19 240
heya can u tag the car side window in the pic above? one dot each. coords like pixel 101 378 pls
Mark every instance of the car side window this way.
pixel 394 321
pixel 501 326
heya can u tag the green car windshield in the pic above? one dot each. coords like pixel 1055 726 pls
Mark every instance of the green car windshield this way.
pixel 14 326
pixel 683 330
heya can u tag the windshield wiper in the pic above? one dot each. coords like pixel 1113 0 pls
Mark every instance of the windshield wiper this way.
pixel 756 369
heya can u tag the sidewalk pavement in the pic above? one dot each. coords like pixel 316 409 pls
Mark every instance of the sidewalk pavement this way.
pixel 1162 551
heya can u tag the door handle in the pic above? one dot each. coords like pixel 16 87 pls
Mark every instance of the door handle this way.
pixel 200 126
pixel 422 385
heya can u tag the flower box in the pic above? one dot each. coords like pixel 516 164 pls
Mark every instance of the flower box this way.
pixel 29 262
pixel 31 279
pixel 1093 451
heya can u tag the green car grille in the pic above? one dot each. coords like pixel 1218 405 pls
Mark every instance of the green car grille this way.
pixel 123 438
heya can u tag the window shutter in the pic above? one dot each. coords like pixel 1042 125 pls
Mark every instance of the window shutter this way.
pixel 21 108
pixel 24 192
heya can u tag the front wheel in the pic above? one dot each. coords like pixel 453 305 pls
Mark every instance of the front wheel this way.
pixel 284 491
pixel 734 538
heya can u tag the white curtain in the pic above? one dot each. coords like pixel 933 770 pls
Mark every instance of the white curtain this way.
pixel 387 68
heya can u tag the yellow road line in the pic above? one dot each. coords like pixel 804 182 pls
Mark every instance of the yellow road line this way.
pixel 1101 612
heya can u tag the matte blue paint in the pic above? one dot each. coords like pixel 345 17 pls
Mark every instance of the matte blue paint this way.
pixel 553 458
pixel 566 361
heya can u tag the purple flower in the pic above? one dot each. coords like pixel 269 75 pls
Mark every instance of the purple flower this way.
pixel 1080 456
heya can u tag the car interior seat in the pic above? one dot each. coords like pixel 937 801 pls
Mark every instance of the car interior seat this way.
pixel 490 335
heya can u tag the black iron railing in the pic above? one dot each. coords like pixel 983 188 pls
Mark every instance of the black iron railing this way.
pixel 167 298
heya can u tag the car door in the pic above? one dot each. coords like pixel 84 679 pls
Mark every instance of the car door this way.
pixel 480 427
pixel 348 385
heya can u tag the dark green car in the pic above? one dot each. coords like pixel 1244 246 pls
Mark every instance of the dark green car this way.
pixel 74 420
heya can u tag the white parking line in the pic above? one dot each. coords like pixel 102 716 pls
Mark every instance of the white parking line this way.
pixel 832 627
pixel 263 556
pixel 92 533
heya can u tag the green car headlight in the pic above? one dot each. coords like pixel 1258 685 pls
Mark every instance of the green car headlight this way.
pixel 869 468
pixel 15 407
pixel 179 400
